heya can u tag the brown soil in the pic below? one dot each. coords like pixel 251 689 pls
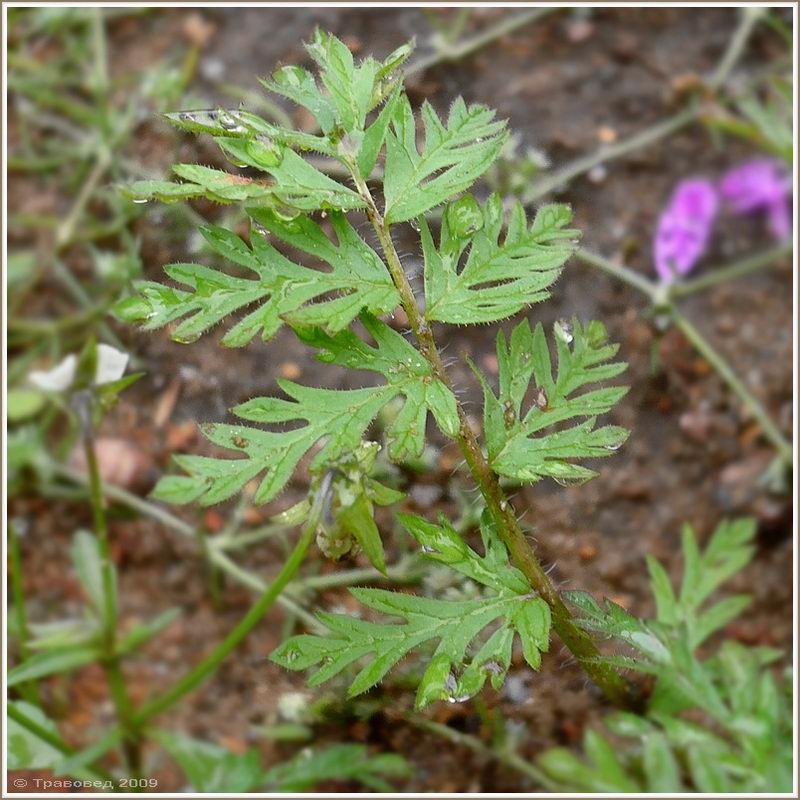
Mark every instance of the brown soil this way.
pixel 693 454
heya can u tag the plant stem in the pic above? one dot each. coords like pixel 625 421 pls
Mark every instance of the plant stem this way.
pixel 217 547
pixel 576 640
pixel 208 665
pixel 662 296
pixel 55 741
pixel 230 567
pixel 507 757
pixel 623 273
pixel 101 532
pixel 701 344
pixel 738 269
pixel 450 52
pixel 560 177
pixel 111 663
pixel 29 690
pixel 660 130
pixel 736 45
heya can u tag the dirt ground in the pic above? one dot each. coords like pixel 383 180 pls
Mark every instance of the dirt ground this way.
pixel 565 83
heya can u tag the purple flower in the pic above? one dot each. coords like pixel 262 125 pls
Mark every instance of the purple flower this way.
pixel 760 185
pixel 684 228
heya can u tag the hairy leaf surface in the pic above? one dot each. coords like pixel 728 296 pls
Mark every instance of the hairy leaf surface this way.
pixel 294 183
pixel 524 443
pixel 497 279
pixel 284 291
pixel 453 157
pixel 337 417
pixel 465 655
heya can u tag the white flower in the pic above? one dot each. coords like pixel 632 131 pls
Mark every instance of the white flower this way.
pixel 111 365
pixel 57 379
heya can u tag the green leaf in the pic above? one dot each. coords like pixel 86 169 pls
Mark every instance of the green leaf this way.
pixel 340 417
pixel 605 774
pixel 145 631
pixel 52 662
pixel 295 183
pixel 357 520
pixel 283 291
pixel 22 404
pixel 25 749
pixel 210 768
pixel 496 279
pixel 728 552
pixel 350 90
pixel 518 443
pixel 342 762
pixel 453 156
pixel 660 765
pixel 457 625
pixel 375 135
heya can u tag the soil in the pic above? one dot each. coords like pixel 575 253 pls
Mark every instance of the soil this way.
pixel 566 83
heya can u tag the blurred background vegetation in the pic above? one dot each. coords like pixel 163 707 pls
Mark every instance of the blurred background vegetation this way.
pixel 610 109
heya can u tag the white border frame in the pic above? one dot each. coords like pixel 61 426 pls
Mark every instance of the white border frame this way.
pixel 7 5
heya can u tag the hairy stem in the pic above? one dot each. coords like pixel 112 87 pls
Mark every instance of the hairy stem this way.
pixel 522 554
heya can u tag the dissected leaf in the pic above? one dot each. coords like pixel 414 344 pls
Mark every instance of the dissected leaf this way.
pixel 453 156
pixel 294 183
pixel 339 417
pixel 284 291
pixel 341 762
pixel 211 768
pixel 350 90
pixel 496 279
pixel 456 625
pixel 524 443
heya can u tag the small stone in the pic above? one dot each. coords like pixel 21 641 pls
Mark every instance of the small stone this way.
pixel 490 364
pixel 214 520
pixel 606 134
pixel 120 462
pixel 290 370
pixel 696 425
pixel 587 552
pixel 579 30
pixel 597 174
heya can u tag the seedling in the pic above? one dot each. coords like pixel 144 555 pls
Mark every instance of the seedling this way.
pixel 484 266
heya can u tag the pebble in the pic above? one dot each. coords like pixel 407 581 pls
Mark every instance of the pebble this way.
pixel 290 370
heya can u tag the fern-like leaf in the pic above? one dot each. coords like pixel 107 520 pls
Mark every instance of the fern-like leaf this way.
pixel 294 183
pixel 453 157
pixel 453 673
pixel 283 290
pixel 496 280
pixel 524 444
pixel 339 417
